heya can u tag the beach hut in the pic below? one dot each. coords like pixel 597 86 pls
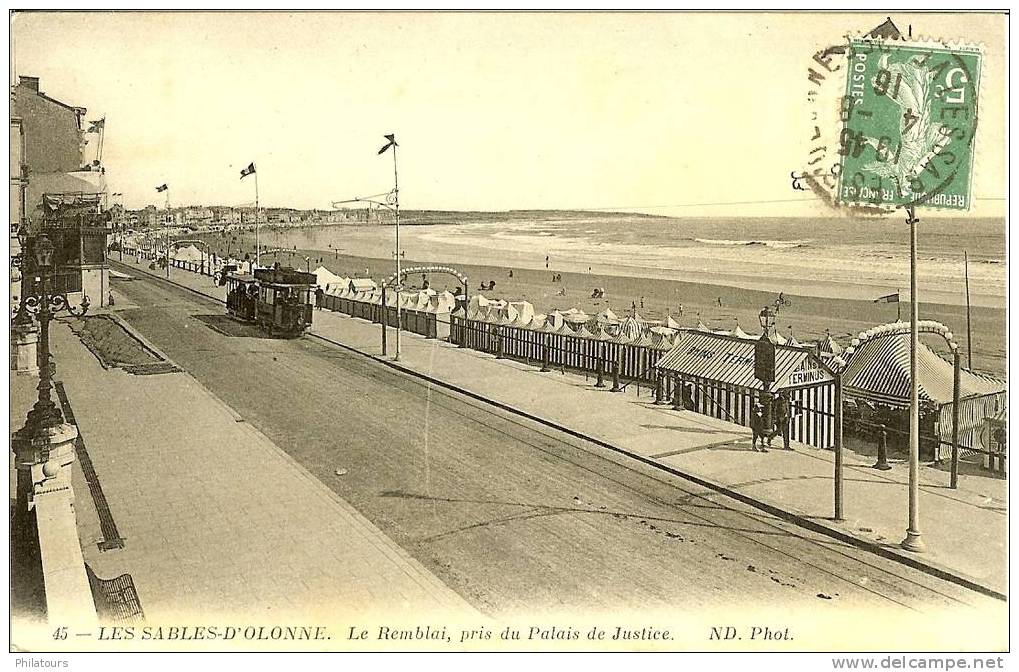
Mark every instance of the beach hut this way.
pixel 876 379
pixel 607 317
pixel 718 374
pixel 362 284
pixel 324 277
pixel 576 316
pixel 524 309
pixel 662 341
pixel 631 329
pixel 444 302
pixel 739 333
pixel 829 346
pixel 555 318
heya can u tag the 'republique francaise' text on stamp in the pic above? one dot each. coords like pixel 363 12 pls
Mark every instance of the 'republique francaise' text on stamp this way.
pixel 909 121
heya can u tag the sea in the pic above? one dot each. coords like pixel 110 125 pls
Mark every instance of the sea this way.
pixel 836 257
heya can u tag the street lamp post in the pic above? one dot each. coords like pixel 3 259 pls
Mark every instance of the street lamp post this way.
pixel 43 446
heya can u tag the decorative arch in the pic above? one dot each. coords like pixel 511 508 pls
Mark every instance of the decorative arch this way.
pixel 404 272
pixel 177 243
pixel 897 328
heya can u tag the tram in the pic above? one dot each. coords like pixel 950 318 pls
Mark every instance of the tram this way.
pixel 278 300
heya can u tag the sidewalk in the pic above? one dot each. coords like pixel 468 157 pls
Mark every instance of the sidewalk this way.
pixel 965 529
pixel 217 521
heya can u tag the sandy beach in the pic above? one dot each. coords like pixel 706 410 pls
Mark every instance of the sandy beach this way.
pixel 719 307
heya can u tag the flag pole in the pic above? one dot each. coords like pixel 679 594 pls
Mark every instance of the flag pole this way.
pixel 913 541
pixel 969 333
pixel 898 305
pixel 167 229
pixel 102 134
pixel 258 251
pixel 396 199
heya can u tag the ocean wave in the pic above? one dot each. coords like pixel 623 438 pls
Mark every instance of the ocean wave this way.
pixel 777 244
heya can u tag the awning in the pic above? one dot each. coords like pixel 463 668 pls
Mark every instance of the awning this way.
pixel 879 371
pixel 71 184
pixel 730 360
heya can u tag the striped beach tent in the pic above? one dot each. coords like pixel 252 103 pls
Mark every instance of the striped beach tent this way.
pixel 879 371
pixel 829 346
pixel 739 333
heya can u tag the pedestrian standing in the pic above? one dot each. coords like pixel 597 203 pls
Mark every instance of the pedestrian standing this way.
pixel 767 413
pixel 319 297
pixel 781 410
pixel 757 428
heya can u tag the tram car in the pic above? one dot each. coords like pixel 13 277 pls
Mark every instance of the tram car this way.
pixel 278 300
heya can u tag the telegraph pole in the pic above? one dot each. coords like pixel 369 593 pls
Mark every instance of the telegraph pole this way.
pixel 969 333
pixel 913 541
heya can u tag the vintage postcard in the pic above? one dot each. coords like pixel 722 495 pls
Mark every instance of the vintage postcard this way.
pixel 512 331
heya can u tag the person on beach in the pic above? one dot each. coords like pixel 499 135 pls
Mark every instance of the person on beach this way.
pixel 319 294
pixel 781 411
pixel 757 428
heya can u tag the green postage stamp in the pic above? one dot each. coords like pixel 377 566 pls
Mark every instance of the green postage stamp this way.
pixel 909 121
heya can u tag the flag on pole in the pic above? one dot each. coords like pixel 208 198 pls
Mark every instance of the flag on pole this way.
pixel 392 143
pixel 890 298
pixel 162 187
pixel 248 171
pixel 96 126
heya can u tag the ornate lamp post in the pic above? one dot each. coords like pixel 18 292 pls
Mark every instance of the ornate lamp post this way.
pixel 24 334
pixel 44 445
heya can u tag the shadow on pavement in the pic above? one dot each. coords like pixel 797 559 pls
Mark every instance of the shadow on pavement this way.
pixel 228 326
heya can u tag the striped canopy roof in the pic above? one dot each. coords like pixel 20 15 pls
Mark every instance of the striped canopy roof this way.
pixel 730 360
pixel 631 329
pixel 879 371
pixel 830 346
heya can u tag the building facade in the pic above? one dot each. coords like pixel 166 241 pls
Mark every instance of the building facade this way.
pixel 54 171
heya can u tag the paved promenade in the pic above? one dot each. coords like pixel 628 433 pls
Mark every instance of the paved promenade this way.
pixel 217 521
pixel 965 529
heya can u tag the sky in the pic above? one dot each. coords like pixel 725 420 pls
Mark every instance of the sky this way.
pixel 673 114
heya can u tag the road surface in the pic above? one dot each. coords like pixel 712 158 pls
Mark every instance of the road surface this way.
pixel 511 514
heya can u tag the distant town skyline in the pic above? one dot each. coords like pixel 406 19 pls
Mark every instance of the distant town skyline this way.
pixel 572 111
